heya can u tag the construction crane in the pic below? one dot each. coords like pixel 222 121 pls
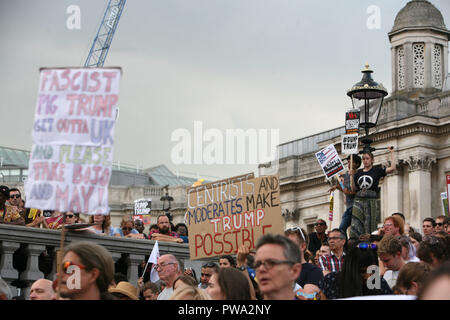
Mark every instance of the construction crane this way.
pixel 105 34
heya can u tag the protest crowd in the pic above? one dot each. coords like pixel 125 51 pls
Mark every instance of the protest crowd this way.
pixel 395 259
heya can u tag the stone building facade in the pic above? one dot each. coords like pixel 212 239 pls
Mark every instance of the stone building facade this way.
pixel 414 118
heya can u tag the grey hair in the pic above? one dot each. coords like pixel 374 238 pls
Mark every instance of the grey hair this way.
pixel 290 249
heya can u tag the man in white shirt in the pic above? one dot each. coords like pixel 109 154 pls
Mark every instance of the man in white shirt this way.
pixel 390 254
pixel 169 268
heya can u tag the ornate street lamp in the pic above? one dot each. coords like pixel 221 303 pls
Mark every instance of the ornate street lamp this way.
pixel 166 199
pixel 367 95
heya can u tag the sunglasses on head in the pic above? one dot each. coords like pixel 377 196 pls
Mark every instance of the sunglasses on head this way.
pixel 17 196
pixel 296 229
pixel 365 245
pixel 67 264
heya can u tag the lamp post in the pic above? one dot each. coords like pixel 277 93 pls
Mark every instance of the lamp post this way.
pixel 368 96
pixel 166 199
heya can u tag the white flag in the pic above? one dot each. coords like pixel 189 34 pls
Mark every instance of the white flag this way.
pixel 154 256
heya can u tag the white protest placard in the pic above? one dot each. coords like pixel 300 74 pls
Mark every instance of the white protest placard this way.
pixel 329 161
pixel 142 207
pixel 350 143
pixel 73 138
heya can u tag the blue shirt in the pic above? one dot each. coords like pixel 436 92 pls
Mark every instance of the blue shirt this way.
pixel 119 231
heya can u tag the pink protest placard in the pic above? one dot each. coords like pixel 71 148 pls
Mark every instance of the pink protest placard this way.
pixel 73 138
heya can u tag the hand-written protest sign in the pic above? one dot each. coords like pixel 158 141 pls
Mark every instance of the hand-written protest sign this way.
pixel 329 161
pixel 70 163
pixel 142 206
pixel 350 143
pixel 352 121
pixel 228 215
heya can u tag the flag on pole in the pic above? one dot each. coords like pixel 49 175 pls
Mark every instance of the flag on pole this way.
pixel 330 217
pixel 154 256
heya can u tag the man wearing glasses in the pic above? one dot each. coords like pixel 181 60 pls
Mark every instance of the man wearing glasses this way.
pixel 334 261
pixel 277 265
pixel 316 239
pixel 440 224
pixel 9 214
pixel 168 268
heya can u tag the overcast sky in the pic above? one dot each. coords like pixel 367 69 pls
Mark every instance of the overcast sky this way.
pixel 247 64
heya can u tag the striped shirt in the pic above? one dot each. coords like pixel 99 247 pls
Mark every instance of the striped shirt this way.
pixel 331 262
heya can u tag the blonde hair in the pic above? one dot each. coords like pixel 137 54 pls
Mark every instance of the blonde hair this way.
pixel 190 293
pixel 125 219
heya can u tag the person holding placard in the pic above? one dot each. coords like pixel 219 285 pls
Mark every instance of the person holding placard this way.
pixel 354 162
pixel 9 214
pixel 366 207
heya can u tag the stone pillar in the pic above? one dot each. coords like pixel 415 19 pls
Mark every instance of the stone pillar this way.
pixel 32 272
pixel 7 271
pixel 409 66
pixel 419 168
pixel 133 262
pixel 394 191
pixel 428 53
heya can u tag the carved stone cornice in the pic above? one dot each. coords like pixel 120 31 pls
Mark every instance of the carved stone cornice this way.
pixel 414 128
pixel 422 163
pixel 289 215
pixel 302 184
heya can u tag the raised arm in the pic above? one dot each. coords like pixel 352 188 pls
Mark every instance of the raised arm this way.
pixel 393 161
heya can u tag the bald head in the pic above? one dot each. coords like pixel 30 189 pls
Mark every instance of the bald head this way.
pixel 41 290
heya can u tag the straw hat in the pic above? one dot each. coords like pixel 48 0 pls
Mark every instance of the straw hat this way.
pixel 127 289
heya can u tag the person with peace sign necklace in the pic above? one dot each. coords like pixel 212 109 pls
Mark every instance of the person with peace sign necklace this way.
pixel 366 207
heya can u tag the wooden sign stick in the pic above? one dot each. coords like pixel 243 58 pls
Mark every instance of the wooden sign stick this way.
pixel 59 260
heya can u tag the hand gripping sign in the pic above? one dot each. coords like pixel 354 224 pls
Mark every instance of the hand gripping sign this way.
pixel 71 157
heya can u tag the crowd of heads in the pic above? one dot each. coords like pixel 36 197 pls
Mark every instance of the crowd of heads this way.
pixel 397 259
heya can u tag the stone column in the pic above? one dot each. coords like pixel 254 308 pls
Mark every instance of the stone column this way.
pixel 394 192
pixel 409 66
pixel 132 273
pixel 419 168
pixel 32 272
pixel 428 54
pixel 7 271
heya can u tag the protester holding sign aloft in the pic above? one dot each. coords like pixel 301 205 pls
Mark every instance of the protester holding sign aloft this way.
pixel 366 207
pixel 354 162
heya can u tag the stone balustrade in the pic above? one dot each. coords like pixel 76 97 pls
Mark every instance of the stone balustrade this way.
pixel 28 254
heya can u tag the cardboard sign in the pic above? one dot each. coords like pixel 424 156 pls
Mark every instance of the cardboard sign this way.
pixel 71 157
pixel 352 121
pixel 329 161
pixel 142 207
pixel 228 215
pixel 350 143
